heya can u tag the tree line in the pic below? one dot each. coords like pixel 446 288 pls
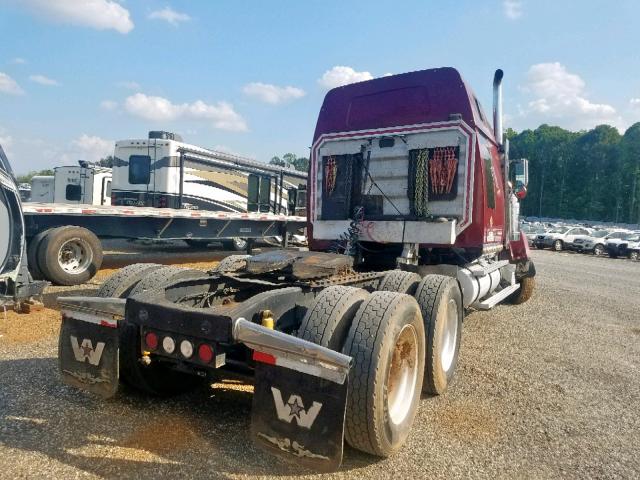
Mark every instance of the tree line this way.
pixel 585 175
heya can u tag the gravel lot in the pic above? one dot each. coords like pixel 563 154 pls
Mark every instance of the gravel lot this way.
pixel 547 389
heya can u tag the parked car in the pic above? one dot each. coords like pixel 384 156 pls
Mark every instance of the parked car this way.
pixel 623 246
pixel 532 232
pixel 593 243
pixel 558 238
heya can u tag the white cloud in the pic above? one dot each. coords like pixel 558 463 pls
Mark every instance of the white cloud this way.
pixel 272 94
pixel 108 105
pixel 559 96
pixel 341 75
pixel 42 80
pixel 18 61
pixel 88 147
pixel 512 9
pixel 9 85
pixel 221 114
pixel 169 15
pixel 634 102
pixel 98 14
pixel 129 85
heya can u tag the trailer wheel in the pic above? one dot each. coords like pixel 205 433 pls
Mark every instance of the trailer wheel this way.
pixel 232 263
pixel 440 302
pixel 329 318
pixel 120 283
pixel 32 255
pixel 235 244
pixel 386 341
pixel 157 378
pixel 69 255
pixel 400 281
pixel 525 292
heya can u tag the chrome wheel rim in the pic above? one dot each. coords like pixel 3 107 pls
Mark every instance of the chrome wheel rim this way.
pixel 598 250
pixel 403 374
pixel 450 336
pixel 241 243
pixel 75 256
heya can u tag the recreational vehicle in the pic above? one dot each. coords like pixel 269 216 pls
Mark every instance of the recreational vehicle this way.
pixel 163 171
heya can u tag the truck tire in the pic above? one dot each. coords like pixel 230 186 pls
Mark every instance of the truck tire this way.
pixel 400 281
pixel 558 245
pixel 120 283
pixel 32 254
pixel 386 341
pixel 162 277
pixel 329 318
pixel 525 292
pixel 235 244
pixel 440 303
pixel 232 263
pixel 69 255
pixel 155 379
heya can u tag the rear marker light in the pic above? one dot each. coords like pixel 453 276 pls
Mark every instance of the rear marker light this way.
pixel 151 340
pixel 168 345
pixel 186 349
pixel 205 353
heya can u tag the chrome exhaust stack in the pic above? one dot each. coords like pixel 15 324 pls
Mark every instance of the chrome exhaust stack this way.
pixel 497 106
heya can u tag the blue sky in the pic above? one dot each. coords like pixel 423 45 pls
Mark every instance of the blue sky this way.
pixel 249 76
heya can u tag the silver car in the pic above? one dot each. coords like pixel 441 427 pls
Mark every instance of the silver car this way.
pixel 593 243
pixel 559 238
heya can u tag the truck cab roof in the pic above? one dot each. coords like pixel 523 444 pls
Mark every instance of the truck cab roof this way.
pixel 424 96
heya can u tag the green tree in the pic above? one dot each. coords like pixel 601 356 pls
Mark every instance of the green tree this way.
pixel 26 178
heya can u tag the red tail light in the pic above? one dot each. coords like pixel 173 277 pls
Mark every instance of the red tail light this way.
pixel 205 353
pixel 151 340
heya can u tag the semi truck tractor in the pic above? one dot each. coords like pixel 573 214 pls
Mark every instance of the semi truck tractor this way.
pixel 412 224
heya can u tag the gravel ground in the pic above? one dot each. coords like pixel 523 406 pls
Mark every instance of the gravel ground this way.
pixel 547 389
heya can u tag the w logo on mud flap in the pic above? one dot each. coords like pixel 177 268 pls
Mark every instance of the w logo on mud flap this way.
pixel 294 408
pixel 85 351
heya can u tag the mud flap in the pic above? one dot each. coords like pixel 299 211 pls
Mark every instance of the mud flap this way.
pixel 299 417
pixel 88 356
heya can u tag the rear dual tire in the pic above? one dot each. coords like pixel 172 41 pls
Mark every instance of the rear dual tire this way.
pixel 384 334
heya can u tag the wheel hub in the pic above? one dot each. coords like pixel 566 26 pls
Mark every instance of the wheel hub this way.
pixel 450 337
pixel 403 374
pixel 75 256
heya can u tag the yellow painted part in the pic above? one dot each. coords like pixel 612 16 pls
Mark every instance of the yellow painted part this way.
pixel 267 319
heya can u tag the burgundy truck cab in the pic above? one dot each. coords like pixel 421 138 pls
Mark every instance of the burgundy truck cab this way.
pixel 411 160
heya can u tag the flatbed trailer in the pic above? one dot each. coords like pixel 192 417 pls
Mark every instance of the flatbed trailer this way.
pixel 64 240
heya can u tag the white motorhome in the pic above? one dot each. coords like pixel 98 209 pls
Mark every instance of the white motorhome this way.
pixel 163 171
pixel 42 189
pixel 83 184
